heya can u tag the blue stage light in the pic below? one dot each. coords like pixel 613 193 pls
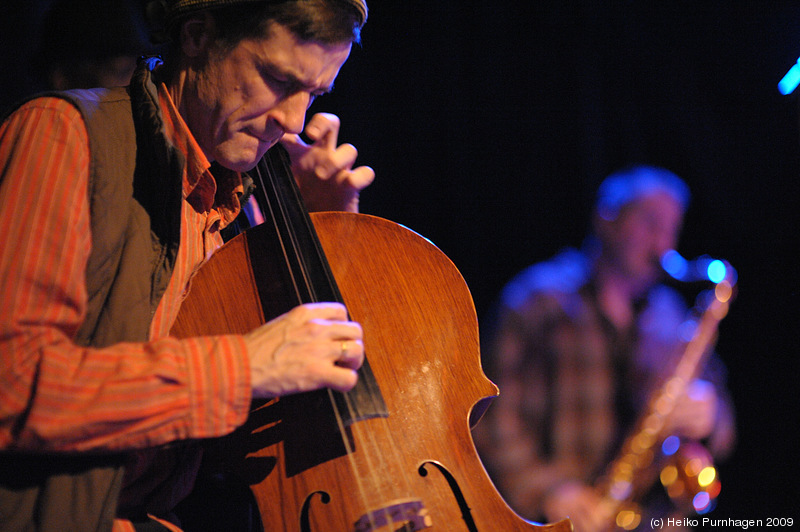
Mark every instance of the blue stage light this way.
pixel 789 82
pixel 716 271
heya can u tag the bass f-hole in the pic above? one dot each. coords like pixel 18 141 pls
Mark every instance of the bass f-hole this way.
pixel 360 460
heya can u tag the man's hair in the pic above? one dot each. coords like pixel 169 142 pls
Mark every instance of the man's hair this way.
pixel 322 21
pixel 629 184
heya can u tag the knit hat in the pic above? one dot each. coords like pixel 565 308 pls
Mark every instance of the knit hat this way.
pixel 162 13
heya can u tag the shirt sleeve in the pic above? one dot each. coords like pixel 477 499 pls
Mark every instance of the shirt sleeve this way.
pixel 56 396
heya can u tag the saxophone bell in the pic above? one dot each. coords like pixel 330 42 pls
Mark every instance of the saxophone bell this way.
pixel 689 476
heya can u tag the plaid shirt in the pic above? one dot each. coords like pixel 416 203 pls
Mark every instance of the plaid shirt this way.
pixel 570 382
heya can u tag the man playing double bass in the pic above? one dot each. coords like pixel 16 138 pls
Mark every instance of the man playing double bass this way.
pixel 110 207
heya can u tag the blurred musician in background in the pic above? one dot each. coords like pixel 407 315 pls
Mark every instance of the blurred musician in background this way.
pixel 76 51
pixel 577 344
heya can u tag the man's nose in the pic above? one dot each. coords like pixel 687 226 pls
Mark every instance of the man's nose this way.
pixel 291 112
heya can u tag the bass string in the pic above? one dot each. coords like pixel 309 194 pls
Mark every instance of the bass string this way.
pixel 279 215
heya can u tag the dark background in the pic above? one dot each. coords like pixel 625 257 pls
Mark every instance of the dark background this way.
pixel 490 125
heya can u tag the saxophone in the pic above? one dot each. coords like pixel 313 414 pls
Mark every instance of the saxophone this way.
pixel 687 471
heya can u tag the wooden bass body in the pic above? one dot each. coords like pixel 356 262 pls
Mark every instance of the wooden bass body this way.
pixel 396 453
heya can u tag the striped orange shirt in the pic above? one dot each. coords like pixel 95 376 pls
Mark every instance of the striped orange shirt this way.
pixel 56 396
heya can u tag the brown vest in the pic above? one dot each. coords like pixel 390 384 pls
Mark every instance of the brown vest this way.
pixel 135 205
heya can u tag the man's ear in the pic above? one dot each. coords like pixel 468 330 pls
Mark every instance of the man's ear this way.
pixel 197 33
pixel 603 225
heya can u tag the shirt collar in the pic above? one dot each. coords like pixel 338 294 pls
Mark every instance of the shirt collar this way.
pixel 204 191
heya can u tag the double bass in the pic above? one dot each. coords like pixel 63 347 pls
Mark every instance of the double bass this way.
pixel 395 453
